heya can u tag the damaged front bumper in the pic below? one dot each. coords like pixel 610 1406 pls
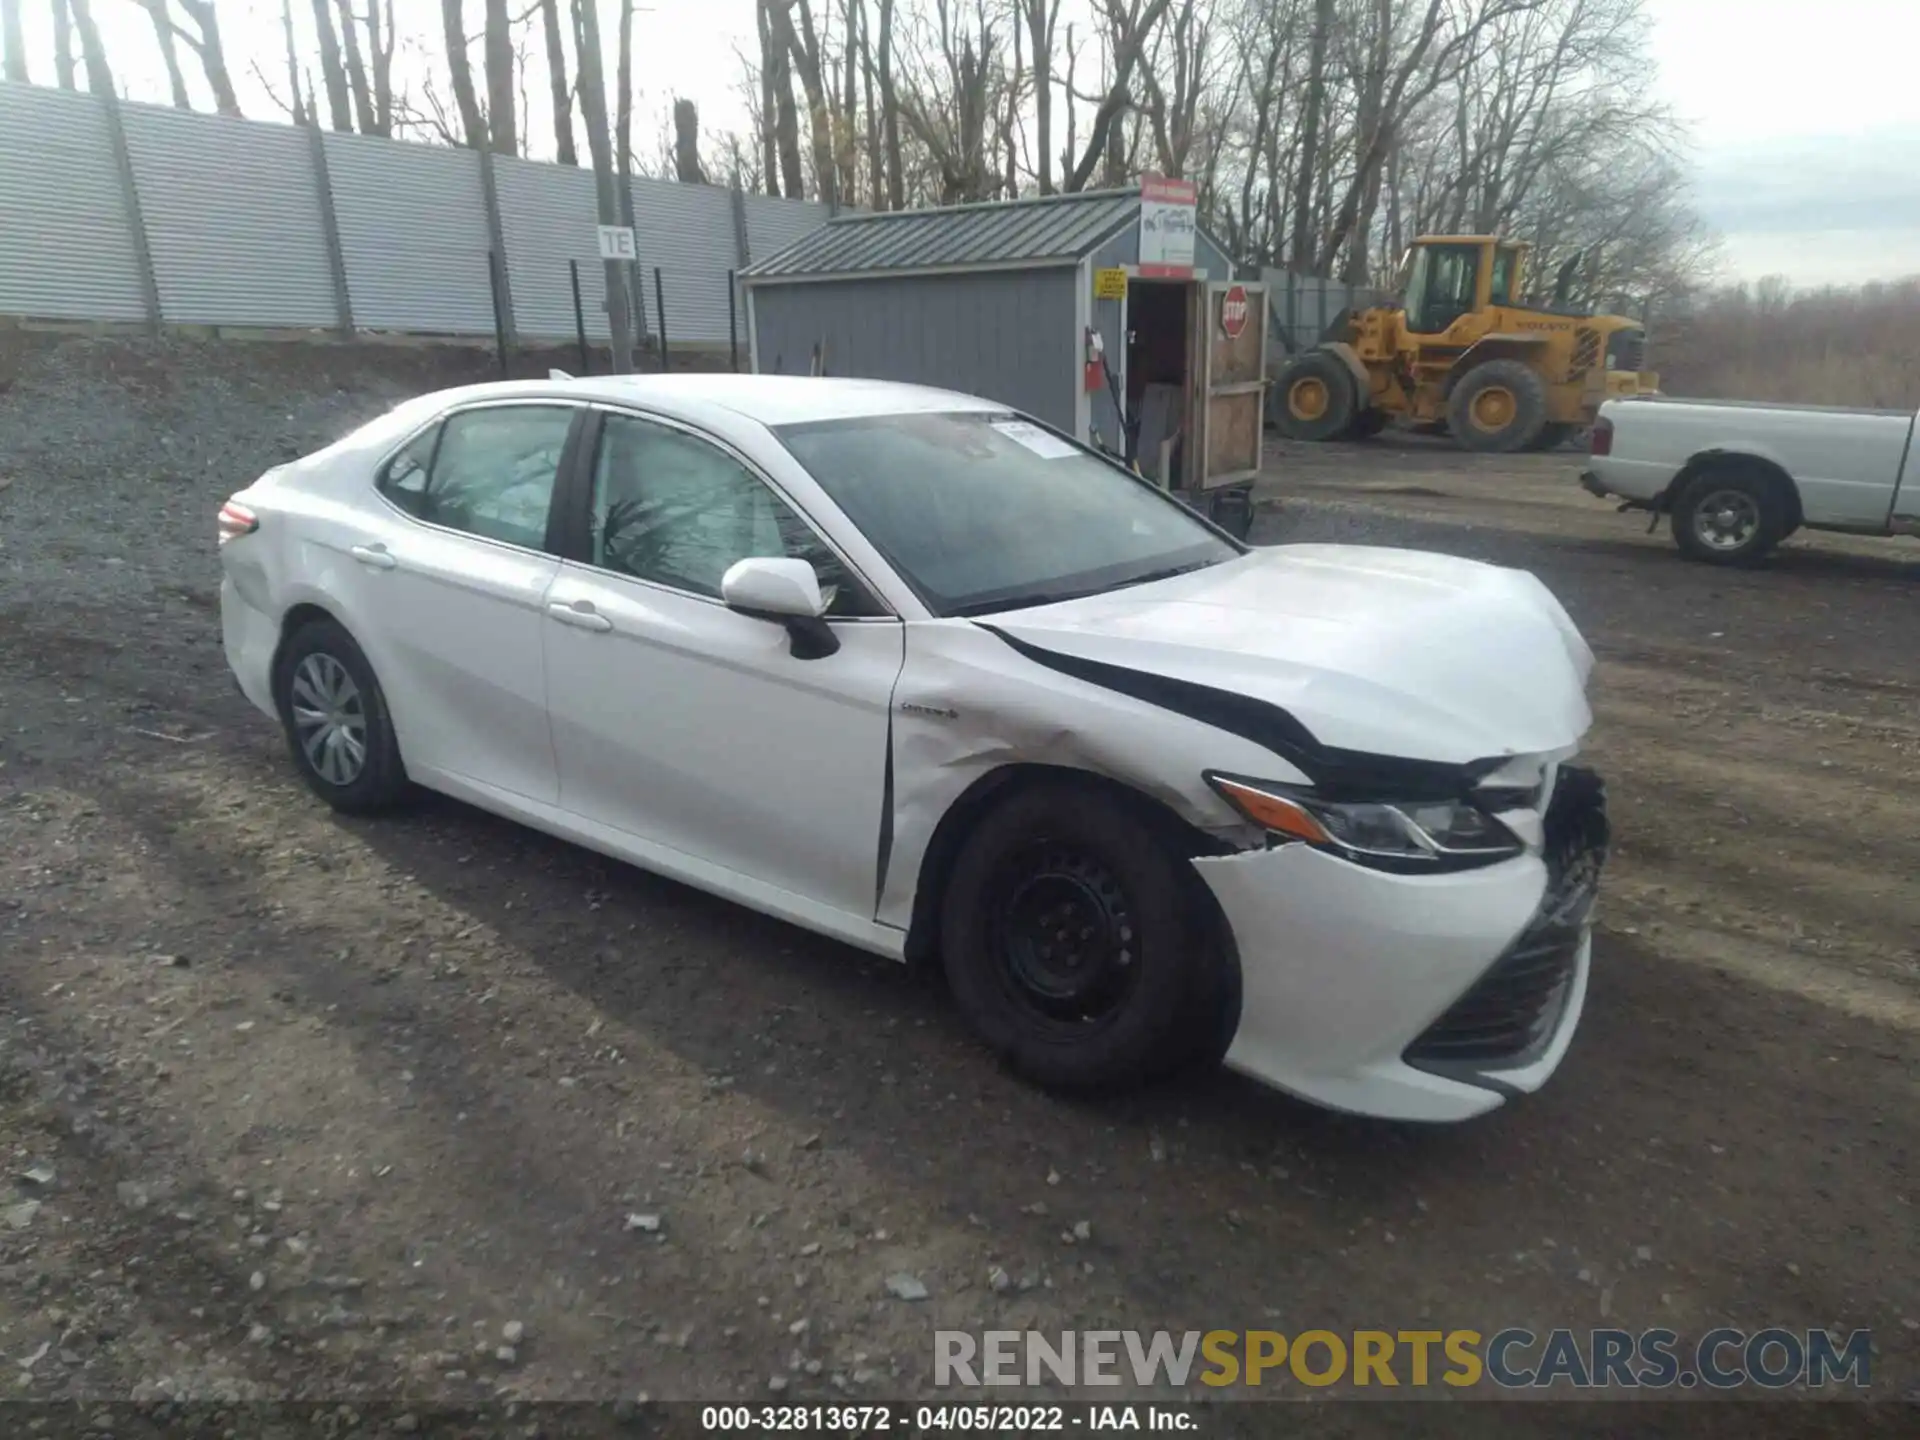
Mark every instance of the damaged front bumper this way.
pixel 1414 997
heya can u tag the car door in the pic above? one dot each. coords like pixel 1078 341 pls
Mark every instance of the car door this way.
pixel 684 723
pixel 449 582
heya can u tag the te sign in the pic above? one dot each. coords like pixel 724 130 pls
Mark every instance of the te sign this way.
pixel 616 242
pixel 1234 311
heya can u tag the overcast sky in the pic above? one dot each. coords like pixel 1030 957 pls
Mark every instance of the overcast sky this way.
pixel 1805 113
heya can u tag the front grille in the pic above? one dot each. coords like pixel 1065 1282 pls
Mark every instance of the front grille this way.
pixel 1586 351
pixel 1509 1015
pixel 1628 350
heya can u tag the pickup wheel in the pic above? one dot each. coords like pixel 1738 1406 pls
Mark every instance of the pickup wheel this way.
pixel 1730 516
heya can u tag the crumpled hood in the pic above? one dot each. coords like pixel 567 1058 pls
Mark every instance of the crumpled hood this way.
pixel 1390 652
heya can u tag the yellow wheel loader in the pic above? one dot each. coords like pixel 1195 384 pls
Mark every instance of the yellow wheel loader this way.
pixel 1460 350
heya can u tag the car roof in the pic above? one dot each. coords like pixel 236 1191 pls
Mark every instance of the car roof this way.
pixel 769 399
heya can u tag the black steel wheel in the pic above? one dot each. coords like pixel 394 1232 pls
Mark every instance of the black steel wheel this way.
pixel 1074 941
pixel 1061 935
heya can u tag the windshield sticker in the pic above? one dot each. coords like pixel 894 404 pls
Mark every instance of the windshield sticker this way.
pixel 1022 432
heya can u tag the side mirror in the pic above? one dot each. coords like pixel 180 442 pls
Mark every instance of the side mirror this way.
pixel 785 590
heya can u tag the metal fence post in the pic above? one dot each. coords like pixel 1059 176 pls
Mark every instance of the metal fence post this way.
pixel 497 244
pixel 330 229
pixel 660 304
pixel 637 287
pixel 579 318
pixel 496 284
pixel 136 217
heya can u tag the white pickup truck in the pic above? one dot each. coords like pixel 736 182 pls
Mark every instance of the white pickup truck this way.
pixel 1738 479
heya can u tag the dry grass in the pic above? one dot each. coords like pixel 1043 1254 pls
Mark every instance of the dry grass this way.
pixel 1831 347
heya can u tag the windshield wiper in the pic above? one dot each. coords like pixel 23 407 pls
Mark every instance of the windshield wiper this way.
pixel 1056 597
pixel 1166 574
pixel 1027 602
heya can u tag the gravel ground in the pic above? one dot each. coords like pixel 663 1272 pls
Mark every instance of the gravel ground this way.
pixel 436 1110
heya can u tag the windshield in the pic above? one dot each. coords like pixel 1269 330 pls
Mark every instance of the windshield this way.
pixel 982 512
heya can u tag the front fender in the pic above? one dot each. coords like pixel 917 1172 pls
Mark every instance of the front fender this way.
pixel 968 704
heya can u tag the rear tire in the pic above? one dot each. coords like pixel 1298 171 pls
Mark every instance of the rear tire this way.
pixel 1498 407
pixel 1730 515
pixel 336 719
pixel 1076 943
pixel 1553 435
pixel 1317 397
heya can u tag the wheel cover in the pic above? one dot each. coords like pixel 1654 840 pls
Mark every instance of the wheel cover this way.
pixel 1062 936
pixel 1726 520
pixel 1307 398
pixel 1493 408
pixel 329 719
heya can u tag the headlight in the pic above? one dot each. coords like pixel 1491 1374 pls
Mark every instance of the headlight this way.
pixel 1405 836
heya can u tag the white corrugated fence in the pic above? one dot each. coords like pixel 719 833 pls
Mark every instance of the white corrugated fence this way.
pixel 228 214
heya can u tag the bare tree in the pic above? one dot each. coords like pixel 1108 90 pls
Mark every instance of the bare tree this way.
pixel 99 73
pixel 948 101
pixel 803 47
pixel 876 155
pixel 63 44
pixel 593 105
pixel 332 72
pixel 1042 17
pixel 502 133
pixel 13 35
pixel 777 66
pixel 890 111
pixel 296 107
pixel 163 34
pixel 557 85
pixel 687 168
pixel 206 42
pixel 358 84
pixel 460 71
pixel 1131 24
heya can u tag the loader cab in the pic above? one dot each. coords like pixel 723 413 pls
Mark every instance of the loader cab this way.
pixel 1457 275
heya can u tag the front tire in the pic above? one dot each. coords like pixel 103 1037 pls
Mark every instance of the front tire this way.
pixel 1076 945
pixel 1498 407
pixel 1729 516
pixel 1317 397
pixel 336 719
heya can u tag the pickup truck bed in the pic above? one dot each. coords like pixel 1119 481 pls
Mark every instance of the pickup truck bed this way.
pixel 1738 478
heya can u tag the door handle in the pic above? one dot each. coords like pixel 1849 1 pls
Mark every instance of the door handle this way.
pixel 374 555
pixel 581 615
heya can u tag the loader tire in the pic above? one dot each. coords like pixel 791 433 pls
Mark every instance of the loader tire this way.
pixel 1554 436
pixel 1498 407
pixel 1317 398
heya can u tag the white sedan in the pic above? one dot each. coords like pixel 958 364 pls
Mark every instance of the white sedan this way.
pixel 911 670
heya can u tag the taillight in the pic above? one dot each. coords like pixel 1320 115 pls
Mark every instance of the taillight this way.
pixel 1600 442
pixel 236 520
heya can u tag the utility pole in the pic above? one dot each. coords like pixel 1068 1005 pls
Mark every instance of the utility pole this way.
pixel 593 100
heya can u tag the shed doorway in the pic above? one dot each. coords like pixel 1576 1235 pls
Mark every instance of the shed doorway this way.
pixel 1159 373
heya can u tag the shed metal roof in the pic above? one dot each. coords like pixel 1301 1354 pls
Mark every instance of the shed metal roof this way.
pixel 1001 234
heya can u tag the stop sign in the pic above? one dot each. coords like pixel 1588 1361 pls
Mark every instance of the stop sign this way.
pixel 1233 311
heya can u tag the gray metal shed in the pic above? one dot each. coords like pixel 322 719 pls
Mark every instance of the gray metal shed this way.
pixel 999 300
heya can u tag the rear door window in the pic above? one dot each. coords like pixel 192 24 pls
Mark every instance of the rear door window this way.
pixel 489 472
